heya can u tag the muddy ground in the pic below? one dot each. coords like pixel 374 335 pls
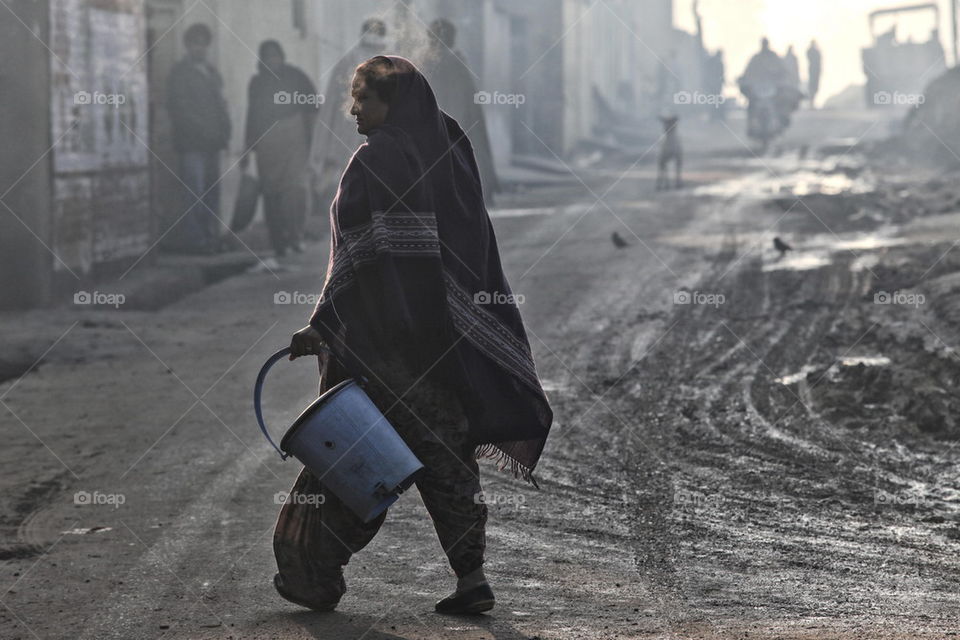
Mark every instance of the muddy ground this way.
pixel 746 445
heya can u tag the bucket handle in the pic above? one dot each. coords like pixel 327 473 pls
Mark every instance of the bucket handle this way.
pixel 258 389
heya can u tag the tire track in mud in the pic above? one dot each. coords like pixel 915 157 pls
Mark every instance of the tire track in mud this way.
pixel 759 477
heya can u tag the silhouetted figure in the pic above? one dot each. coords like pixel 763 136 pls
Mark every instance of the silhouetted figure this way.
pixel 772 96
pixel 281 115
pixel 716 77
pixel 201 130
pixel 618 241
pixel 335 136
pixel 454 84
pixel 814 67
pixel 781 246
pixel 793 67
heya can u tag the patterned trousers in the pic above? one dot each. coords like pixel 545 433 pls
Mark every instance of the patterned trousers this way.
pixel 314 538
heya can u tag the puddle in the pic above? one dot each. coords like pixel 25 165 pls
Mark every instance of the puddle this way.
pixel 867 361
pixel 817 251
pixel 805 183
pixel 810 251
pixel 85 530
pixel 870 241
pixel 521 212
pixel 865 262
pixel 851 361
pixel 800 261
pixel 779 181
pixel 553 385
pixel 794 378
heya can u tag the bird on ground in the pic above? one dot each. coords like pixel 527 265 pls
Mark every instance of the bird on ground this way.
pixel 781 246
pixel 618 241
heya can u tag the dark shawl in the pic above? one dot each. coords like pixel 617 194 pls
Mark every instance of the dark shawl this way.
pixel 411 247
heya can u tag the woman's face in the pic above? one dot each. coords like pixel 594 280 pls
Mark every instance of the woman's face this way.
pixel 369 110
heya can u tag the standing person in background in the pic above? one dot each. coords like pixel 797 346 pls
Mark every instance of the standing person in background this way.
pixel 453 82
pixel 793 68
pixel 336 137
pixel 201 130
pixel 716 78
pixel 814 67
pixel 281 114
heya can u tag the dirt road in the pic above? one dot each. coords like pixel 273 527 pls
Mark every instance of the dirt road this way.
pixel 745 445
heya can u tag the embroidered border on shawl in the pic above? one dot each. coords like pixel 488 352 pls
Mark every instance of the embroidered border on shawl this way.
pixel 395 233
pixel 415 235
pixel 484 330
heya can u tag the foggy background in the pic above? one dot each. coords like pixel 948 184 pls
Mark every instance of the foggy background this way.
pixel 841 29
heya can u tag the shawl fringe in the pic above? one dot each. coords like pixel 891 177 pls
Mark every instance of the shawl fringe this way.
pixel 504 461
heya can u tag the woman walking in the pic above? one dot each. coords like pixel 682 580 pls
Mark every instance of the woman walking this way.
pixel 280 118
pixel 416 301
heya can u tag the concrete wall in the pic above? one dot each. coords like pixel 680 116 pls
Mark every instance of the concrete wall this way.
pixel 25 262
pixel 613 49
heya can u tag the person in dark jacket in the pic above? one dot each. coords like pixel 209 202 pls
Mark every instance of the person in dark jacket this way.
pixel 282 111
pixel 201 130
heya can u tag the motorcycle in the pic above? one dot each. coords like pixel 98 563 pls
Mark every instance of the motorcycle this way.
pixel 764 121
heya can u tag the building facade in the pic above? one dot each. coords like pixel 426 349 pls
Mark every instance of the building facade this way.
pixel 90 176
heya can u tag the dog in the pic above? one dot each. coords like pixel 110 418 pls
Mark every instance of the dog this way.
pixel 670 151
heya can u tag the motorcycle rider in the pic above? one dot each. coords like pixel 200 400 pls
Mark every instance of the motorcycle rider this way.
pixel 766 85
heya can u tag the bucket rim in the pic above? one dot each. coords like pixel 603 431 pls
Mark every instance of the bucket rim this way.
pixel 328 395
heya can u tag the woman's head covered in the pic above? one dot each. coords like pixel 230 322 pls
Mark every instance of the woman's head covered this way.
pixel 391 90
pixel 374 90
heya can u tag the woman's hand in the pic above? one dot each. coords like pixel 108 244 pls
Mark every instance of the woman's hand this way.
pixel 306 342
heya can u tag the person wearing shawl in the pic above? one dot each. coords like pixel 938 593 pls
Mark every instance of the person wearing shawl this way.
pixel 415 301
pixel 280 118
pixel 335 136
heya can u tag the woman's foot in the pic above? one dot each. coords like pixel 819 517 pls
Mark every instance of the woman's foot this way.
pixel 473 595
pixel 472 601
pixel 320 598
